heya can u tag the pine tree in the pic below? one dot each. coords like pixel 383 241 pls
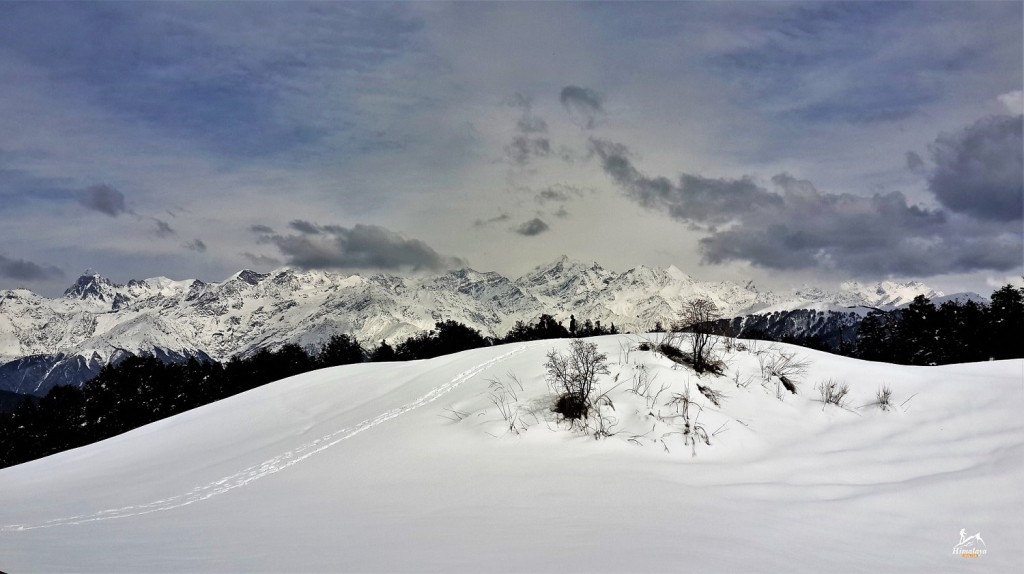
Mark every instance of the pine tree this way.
pixel 1006 318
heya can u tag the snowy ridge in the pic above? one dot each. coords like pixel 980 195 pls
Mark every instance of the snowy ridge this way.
pixel 98 320
pixel 321 471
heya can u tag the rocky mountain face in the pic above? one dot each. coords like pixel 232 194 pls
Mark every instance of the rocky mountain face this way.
pixel 44 342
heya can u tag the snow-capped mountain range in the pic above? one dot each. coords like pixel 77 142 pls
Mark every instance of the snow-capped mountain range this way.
pixel 44 341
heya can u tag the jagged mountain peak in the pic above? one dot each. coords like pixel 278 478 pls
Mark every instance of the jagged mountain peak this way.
pixel 250 311
pixel 249 276
pixel 92 286
pixel 564 264
pixel 566 279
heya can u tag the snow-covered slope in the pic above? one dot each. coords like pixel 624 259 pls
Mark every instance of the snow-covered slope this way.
pixel 97 321
pixel 412 467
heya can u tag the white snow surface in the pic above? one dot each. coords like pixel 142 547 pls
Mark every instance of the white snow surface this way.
pixel 411 467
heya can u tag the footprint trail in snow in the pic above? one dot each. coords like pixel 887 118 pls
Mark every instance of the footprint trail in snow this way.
pixel 269 466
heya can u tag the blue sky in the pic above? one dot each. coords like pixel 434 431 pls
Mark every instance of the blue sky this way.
pixel 787 143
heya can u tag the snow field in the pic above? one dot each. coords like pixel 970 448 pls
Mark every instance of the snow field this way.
pixel 413 467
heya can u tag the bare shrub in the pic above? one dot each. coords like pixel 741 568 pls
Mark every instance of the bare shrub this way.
pixel 883 398
pixel 833 393
pixel 693 431
pixel 642 380
pixel 699 318
pixel 574 378
pixel 787 366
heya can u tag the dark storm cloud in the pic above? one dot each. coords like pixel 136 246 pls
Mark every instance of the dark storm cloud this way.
pixel 979 170
pixel 359 247
pixel 304 227
pixel 261 229
pixel 696 199
pixel 583 103
pixel 799 227
pixel 197 245
pixel 22 270
pixel 104 199
pixel 533 227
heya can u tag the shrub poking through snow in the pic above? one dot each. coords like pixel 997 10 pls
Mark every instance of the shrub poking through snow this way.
pixel 693 431
pixel 786 367
pixel 674 353
pixel 574 377
pixel 883 398
pixel 504 396
pixel 699 319
pixel 833 393
pixel 714 396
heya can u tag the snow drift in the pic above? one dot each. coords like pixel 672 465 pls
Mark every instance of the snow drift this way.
pixel 458 464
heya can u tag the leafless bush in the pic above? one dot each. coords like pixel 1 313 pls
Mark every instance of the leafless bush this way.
pixel 833 393
pixel 787 366
pixel 693 431
pixel 884 397
pixel 642 380
pixel 699 318
pixel 574 377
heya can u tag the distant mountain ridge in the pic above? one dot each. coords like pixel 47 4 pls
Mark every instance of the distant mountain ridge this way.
pixel 46 341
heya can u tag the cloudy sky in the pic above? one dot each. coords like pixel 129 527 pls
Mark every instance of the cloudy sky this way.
pixel 787 143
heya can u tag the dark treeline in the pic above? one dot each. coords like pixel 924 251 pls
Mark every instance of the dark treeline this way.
pixel 141 390
pixel 953 332
pixel 921 333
